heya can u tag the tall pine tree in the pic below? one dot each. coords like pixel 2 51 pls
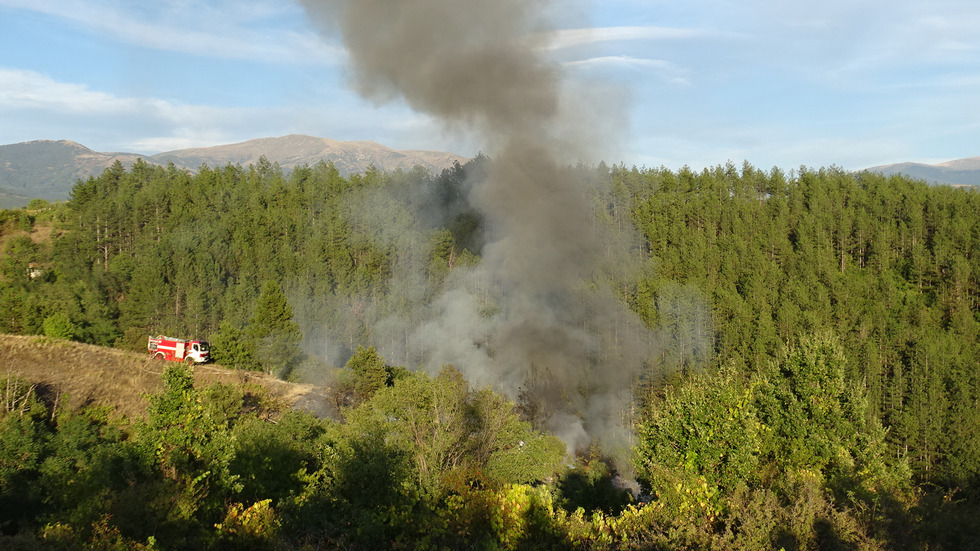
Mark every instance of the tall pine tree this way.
pixel 274 332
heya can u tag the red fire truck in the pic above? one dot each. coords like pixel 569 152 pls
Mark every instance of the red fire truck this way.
pixel 179 350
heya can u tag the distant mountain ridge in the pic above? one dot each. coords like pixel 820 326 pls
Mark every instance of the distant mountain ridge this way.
pixel 48 169
pixel 297 150
pixel 959 172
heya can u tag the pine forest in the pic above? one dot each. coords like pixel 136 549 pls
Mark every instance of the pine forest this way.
pixel 807 347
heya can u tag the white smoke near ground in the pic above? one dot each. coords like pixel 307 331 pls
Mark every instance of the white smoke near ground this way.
pixel 535 317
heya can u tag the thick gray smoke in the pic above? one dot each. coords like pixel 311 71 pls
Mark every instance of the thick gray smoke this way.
pixel 533 318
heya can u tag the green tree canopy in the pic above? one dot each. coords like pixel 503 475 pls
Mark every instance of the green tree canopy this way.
pixel 276 335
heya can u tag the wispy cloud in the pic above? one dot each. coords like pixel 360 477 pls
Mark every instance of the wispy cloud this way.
pixel 109 122
pixel 665 70
pixel 27 93
pixel 567 38
pixel 22 89
pixel 229 30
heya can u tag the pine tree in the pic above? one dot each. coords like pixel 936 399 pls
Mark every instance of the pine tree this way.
pixel 274 332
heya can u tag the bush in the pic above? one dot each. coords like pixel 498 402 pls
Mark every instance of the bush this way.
pixel 59 326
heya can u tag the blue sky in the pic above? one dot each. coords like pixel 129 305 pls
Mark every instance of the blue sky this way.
pixel 852 83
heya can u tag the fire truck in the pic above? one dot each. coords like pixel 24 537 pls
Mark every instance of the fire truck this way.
pixel 178 350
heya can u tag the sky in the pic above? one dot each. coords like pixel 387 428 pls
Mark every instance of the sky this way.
pixel 777 83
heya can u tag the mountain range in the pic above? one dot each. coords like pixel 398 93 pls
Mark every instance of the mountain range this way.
pixel 961 172
pixel 48 169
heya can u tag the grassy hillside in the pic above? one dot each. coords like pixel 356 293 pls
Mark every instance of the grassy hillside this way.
pixel 93 375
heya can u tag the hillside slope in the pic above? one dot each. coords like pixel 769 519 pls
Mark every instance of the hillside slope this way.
pixel 94 375
pixel 48 169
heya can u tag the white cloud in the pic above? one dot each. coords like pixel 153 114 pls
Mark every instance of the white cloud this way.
pixel 29 99
pixel 567 38
pixel 228 30
pixel 35 106
pixel 665 70
pixel 21 89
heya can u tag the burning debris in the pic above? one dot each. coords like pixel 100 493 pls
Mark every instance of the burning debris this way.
pixel 554 336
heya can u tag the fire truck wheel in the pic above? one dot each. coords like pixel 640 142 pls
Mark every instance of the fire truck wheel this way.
pixel 189 361
pixel 159 356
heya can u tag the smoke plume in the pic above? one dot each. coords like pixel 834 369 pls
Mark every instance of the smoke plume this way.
pixel 533 317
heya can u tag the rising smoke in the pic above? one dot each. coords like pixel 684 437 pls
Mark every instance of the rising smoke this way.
pixel 554 334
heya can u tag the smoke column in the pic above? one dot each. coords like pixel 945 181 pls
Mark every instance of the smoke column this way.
pixel 554 335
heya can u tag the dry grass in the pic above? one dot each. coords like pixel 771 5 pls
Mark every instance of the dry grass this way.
pixel 94 375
